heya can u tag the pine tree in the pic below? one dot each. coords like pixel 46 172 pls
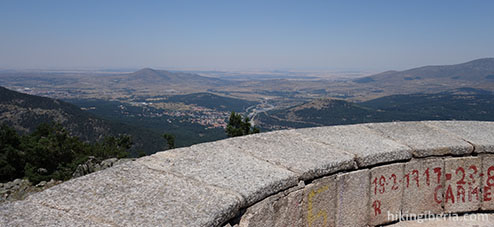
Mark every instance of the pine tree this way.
pixel 170 140
pixel 239 127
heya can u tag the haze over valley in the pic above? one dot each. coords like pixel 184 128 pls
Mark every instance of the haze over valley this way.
pixel 195 108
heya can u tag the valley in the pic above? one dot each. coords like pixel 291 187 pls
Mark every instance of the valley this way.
pixel 195 106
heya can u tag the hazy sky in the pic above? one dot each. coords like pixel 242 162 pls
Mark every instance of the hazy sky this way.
pixel 209 34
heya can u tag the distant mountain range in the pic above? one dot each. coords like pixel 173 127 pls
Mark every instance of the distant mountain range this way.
pixel 25 112
pixel 144 82
pixel 457 104
pixel 148 82
pixel 478 74
pixel 473 71
pixel 148 102
pixel 148 76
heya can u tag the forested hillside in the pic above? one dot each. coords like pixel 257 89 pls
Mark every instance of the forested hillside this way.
pixel 49 152
pixel 458 104
pixel 25 112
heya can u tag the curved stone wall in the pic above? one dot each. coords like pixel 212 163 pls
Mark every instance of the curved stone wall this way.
pixel 356 175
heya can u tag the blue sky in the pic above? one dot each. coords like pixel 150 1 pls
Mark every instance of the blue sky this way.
pixel 244 35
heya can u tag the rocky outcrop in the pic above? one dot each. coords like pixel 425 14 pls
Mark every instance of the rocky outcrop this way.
pixel 19 189
pixel 93 165
pixel 329 176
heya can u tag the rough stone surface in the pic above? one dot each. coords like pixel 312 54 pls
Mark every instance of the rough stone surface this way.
pixel 19 189
pixel 479 133
pixel 294 151
pixel 426 195
pixel 320 202
pixel 423 139
pixel 385 193
pixel 462 184
pixel 134 195
pixel 312 205
pixel 27 213
pixel 229 169
pixel 368 147
pixel 280 210
pixel 488 182
pixel 352 198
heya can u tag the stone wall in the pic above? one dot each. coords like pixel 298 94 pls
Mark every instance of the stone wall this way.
pixel 354 175
pixel 383 194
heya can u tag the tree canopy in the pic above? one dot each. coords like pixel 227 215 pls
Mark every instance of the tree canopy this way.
pixel 170 140
pixel 239 126
pixel 50 152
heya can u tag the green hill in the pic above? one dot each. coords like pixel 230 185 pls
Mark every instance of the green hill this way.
pixel 25 112
pixel 186 132
pixel 319 112
pixel 213 101
pixel 458 104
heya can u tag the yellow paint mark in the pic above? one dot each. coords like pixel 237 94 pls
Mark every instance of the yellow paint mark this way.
pixel 310 217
